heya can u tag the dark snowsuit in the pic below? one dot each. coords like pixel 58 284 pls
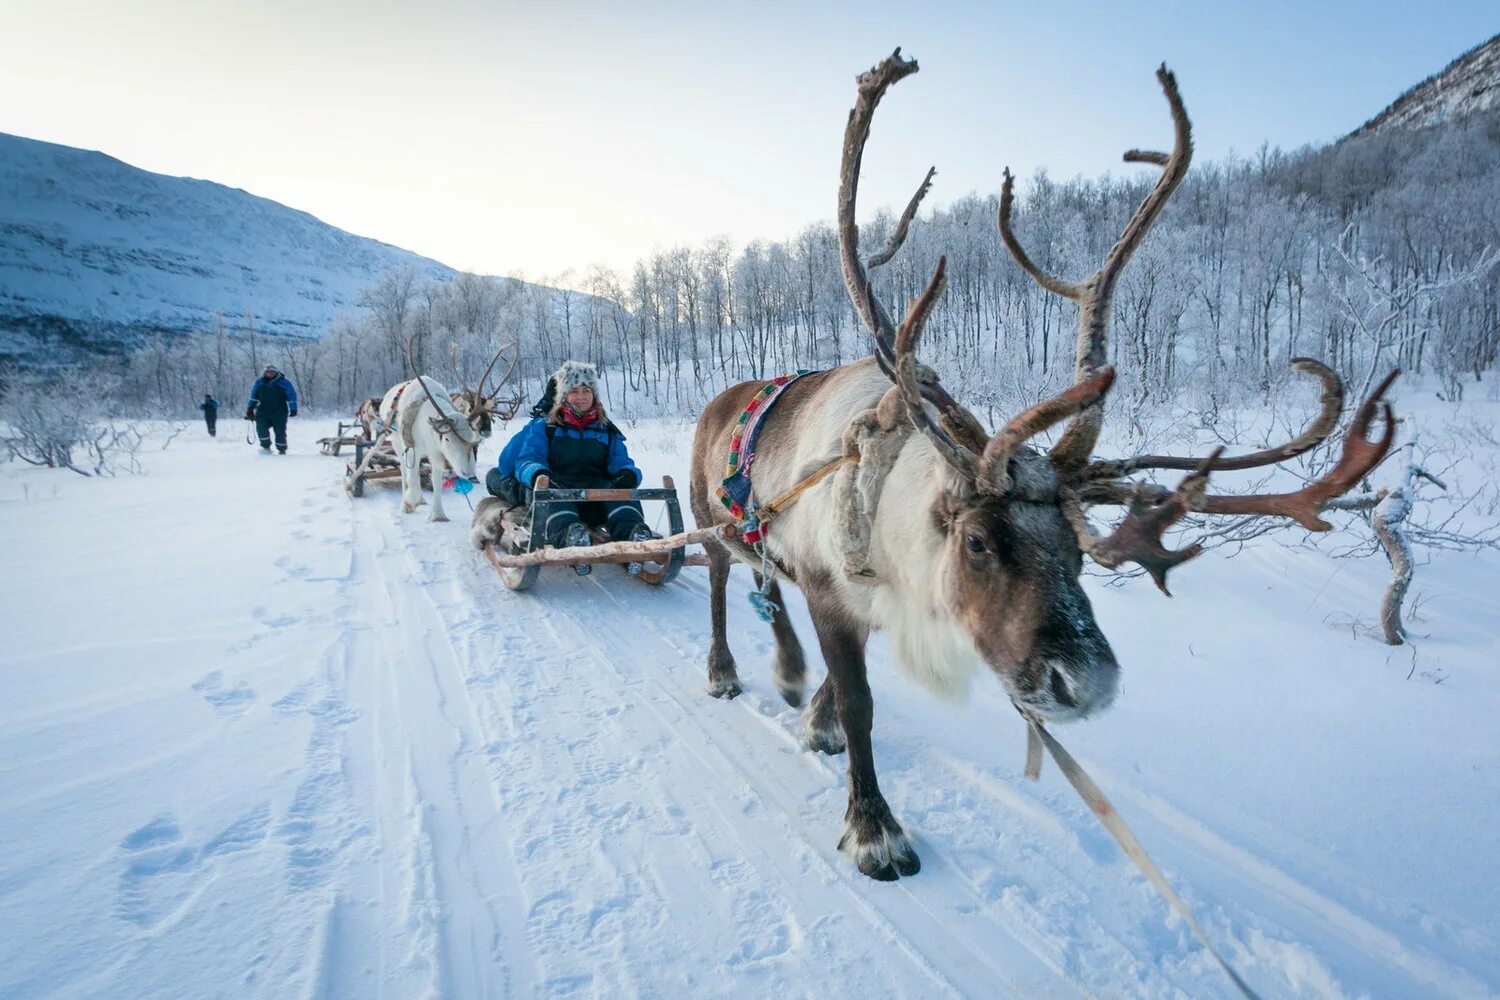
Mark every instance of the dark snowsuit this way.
pixel 592 457
pixel 210 408
pixel 272 400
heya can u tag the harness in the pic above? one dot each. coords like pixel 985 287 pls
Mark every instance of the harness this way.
pixel 381 427
pixel 736 492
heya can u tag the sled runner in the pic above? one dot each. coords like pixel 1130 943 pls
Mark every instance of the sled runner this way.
pixel 520 553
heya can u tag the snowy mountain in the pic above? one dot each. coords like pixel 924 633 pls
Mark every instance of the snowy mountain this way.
pixel 96 254
pixel 1467 86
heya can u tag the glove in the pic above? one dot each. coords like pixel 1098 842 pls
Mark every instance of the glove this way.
pixel 250 413
pixel 292 414
pixel 626 479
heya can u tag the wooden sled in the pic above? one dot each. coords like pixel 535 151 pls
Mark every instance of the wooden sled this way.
pixel 519 561
pixel 376 461
pixel 348 435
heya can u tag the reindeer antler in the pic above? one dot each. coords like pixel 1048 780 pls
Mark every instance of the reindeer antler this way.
pixel 453 363
pixel 1095 295
pixel 994 476
pixel 1330 405
pixel 958 436
pixel 1152 509
pixel 508 372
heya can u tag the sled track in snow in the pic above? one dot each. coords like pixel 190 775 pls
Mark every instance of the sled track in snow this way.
pixel 590 795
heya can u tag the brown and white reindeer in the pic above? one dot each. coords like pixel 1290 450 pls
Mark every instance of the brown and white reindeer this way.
pixel 965 547
pixel 368 416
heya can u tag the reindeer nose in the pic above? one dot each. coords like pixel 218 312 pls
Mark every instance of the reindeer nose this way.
pixel 1072 687
pixel 1062 688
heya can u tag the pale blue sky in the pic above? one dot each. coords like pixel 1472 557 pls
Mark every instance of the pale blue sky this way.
pixel 533 137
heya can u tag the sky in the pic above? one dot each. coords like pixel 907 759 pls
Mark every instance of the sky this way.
pixel 541 139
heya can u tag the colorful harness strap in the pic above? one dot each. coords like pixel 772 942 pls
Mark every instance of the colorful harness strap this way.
pixel 735 493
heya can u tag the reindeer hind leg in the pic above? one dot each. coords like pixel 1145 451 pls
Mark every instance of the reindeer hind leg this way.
pixel 790 671
pixel 821 730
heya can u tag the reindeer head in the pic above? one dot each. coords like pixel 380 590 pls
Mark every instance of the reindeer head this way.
pixel 1013 521
pixel 458 439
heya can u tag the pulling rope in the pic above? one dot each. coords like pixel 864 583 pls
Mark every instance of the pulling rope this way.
pixel 1037 737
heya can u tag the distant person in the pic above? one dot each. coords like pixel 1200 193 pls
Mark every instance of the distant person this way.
pixel 576 446
pixel 272 401
pixel 210 408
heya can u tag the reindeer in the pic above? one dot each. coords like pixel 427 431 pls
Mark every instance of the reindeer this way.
pixel 428 425
pixel 965 547
pixel 368 416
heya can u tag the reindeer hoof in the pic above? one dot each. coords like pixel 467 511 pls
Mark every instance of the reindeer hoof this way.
pixel 821 730
pixel 728 688
pixel 438 517
pixel 791 694
pixel 408 508
pixel 829 741
pixel 876 844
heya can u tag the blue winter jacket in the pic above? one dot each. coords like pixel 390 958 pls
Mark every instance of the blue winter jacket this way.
pixel 580 459
pixel 272 397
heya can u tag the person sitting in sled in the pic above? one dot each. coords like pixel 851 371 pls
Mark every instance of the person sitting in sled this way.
pixel 577 447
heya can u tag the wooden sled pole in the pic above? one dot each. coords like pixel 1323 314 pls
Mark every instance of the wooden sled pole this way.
pixel 654 550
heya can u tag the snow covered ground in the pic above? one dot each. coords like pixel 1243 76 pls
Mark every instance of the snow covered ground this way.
pixel 262 740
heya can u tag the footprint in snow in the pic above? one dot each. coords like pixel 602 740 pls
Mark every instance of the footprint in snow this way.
pixel 161 872
pixel 263 615
pixel 155 881
pixel 230 702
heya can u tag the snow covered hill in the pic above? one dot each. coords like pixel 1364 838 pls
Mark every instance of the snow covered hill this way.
pixel 1467 86
pixel 95 253
pixel 262 740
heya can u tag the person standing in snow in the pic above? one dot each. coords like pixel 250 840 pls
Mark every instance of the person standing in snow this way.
pixel 577 447
pixel 272 401
pixel 210 408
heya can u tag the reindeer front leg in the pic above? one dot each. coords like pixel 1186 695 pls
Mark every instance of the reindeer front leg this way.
pixel 872 838
pixel 723 678
pixel 436 463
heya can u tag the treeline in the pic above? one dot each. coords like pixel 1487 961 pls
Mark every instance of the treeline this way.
pixel 1375 252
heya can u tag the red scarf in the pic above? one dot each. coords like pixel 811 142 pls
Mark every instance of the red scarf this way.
pixel 566 414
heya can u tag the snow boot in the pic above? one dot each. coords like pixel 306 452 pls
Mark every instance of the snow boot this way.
pixel 640 533
pixel 578 537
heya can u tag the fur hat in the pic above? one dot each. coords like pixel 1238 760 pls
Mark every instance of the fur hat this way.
pixel 574 374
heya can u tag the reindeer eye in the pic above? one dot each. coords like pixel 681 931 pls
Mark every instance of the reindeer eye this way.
pixel 976 544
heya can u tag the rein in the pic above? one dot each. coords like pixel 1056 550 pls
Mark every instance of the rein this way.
pixel 791 496
pixel 1037 737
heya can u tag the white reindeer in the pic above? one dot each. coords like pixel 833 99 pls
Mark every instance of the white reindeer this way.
pixel 425 424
